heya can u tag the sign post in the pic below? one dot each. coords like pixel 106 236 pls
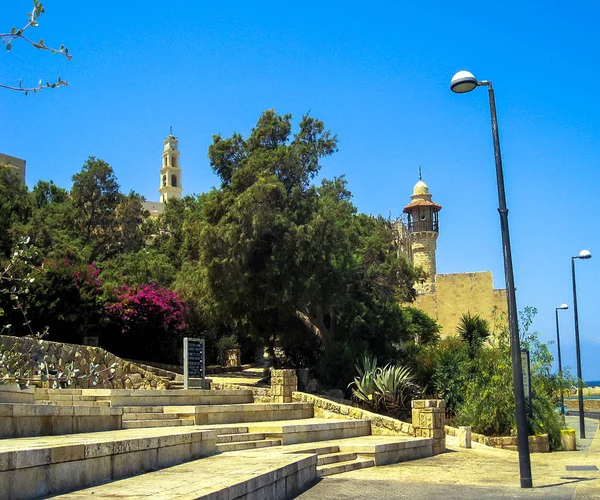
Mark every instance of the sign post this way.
pixel 525 368
pixel 193 361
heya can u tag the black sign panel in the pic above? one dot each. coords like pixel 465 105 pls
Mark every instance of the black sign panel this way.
pixel 195 359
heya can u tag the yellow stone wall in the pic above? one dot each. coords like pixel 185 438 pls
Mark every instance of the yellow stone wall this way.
pixel 461 293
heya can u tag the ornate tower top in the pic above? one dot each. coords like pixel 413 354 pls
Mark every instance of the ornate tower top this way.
pixel 170 172
pixel 423 232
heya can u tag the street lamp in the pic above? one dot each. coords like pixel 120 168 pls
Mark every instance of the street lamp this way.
pixel 461 83
pixel 560 378
pixel 584 254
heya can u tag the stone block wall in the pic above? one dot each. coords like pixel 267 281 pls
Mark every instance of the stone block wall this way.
pixel 537 444
pixel 380 424
pixel 127 375
pixel 283 384
pixel 428 421
pixel 459 293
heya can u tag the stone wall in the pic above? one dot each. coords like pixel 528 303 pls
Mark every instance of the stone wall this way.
pixel 126 376
pixel 380 424
pixel 428 421
pixel 588 404
pixel 261 394
pixel 283 384
pixel 460 293
pixel 537 444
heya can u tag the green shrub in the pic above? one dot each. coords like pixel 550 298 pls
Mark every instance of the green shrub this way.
pixel 389 388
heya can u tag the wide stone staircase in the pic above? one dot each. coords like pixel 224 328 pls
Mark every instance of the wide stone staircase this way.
pixel 107 443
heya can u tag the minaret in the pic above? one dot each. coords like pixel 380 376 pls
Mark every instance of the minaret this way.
pixel 170 172
pixel 423 233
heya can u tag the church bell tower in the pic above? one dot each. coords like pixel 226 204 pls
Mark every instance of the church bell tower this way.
pixel 170 172
pixel 423 233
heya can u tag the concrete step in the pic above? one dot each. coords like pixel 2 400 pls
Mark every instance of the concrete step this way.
pixel 347 466
pixel 142 409
pixel 35 467
pixel 145 424
pixel 231 430
pixel 238 438
pixel 247 445
pixel 334 458
pixel 149 416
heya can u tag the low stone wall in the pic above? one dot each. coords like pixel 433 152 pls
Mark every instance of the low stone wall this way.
pixel 261 394
pixel 126 376
pixel 26 420
pixel 380 424
pixel 588 404
pixel 537 444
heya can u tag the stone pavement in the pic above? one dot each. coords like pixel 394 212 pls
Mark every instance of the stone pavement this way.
pixel 479 472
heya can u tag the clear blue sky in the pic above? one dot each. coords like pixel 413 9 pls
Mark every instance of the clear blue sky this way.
pixel 377 73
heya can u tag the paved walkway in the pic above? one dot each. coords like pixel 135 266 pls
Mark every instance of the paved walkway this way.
pixel 479 472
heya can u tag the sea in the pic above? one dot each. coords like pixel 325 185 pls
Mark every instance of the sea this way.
pixel 592 383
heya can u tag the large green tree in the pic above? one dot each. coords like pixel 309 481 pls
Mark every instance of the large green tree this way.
pixel 270 252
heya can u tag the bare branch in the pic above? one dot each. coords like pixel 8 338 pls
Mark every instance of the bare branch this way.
pixel 8 38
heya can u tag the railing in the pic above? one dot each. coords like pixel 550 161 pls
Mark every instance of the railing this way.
pixel 422 225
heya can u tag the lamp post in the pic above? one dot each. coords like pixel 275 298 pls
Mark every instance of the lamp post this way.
pixel 584 254
pixel 560 378
pixel 463 82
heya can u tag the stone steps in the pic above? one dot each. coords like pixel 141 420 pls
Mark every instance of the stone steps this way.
pixel 239 437
pixel 346 466
pixel 247 445
pixel 145 424
pixel 149 416
pixel 335 457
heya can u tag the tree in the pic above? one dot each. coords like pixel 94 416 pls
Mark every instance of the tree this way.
pixel 95 195
pixel 15 209
pixel 278 258
pixel 474 331
pixel 19 34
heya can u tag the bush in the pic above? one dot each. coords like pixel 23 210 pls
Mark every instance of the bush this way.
pixel 147 323
pixel 389 388
pixel 488 405
pixel 224 344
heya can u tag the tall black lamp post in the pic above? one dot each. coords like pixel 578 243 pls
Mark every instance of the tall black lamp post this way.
pixel 584 254
pixel 560 377
pixel 461 83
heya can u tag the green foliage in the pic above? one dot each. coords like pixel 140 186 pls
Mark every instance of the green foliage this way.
pixel 15 208
pixel 450 373
pixel 479 390
pixel 474 331
pixel 224 344
pixel 390 388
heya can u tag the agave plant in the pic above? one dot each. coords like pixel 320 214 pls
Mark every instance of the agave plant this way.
pixel 391 386
pixel 365 389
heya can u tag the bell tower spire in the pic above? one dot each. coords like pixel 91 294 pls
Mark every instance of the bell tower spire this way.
pixel 423 233
pixel 170 172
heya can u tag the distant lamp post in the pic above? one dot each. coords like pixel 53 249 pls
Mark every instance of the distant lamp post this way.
pixel 562 307
pixel 461 83
pixel 584 254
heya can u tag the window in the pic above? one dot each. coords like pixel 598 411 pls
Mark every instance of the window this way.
pixel 164 179
pixel 174 180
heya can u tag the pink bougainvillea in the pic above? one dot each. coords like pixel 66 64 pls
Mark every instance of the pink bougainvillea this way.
pixel 147 307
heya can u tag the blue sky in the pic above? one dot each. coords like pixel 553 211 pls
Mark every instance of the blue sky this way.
pixel 377 74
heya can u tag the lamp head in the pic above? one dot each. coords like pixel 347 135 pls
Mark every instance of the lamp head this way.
pixel 463 82
pixel 563 306
pixel 584 254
